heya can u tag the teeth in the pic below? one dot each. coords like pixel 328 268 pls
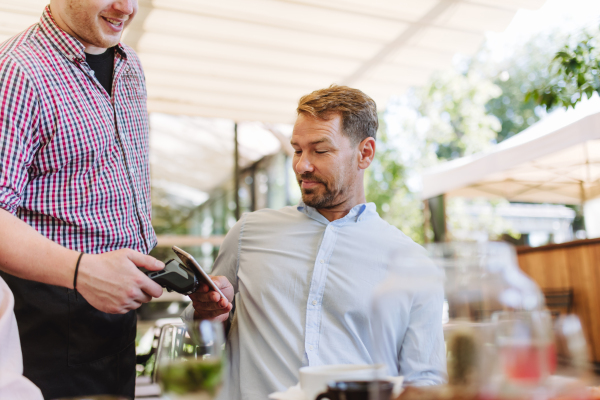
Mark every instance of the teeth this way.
pixel 112 21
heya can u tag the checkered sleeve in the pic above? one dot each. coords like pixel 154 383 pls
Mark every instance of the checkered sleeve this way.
pixel 19 140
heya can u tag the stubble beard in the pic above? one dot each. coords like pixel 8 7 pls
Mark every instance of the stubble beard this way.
pixel 88 27
pixel 312 197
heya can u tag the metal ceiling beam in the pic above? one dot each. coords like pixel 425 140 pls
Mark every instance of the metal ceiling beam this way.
pixel 303 28
pixel 400 41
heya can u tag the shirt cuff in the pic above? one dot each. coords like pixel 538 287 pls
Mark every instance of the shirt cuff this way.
pixel 188 314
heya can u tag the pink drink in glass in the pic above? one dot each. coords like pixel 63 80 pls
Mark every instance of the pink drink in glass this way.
pixel 528 362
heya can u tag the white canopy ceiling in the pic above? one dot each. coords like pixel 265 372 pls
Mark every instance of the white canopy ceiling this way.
pixel 250 60
pixel 556 160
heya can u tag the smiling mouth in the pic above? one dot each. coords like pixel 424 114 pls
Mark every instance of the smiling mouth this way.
pixel 114 22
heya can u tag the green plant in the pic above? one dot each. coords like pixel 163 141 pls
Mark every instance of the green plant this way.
pixel 574 71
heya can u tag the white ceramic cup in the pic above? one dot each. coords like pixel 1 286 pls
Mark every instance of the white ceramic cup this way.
pixel 314 380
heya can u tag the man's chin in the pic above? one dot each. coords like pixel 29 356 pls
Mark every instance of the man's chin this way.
pixel 105 40
pixel 308 198
pixel 108 42
pixel 315 201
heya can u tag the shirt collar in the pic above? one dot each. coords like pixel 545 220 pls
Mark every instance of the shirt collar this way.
pixel 70 47
pixel 358 213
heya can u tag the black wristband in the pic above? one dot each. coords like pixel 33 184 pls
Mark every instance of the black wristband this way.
pixel 76 270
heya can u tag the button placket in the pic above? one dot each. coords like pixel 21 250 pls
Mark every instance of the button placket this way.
pixel 316 290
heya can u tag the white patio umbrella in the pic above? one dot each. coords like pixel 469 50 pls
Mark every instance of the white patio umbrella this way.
pixel 556 160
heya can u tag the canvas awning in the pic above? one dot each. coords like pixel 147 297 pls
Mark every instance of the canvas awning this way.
pixel 251 60
pixel 556 160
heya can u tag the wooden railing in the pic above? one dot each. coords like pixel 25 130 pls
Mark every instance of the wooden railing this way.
pixel 574 265
pixel 188 240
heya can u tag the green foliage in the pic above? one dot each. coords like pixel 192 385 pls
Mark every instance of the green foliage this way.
pixel 385 175
pixel 385 186
pixel 518 74
pixel 444 120
pixel 454 106
pixel 574 73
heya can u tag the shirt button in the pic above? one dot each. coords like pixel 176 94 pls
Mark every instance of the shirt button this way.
pixel 311 348
pixel 314 302
pixel 322 261
pixel 331 228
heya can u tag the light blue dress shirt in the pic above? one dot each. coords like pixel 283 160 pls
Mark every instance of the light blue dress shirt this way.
pixel 303 296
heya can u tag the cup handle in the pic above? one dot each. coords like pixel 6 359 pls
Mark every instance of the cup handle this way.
pixel 325 395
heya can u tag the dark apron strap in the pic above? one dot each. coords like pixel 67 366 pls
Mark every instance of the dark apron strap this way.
pixel 69 347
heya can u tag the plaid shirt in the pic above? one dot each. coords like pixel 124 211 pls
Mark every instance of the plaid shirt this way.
pixel 74 161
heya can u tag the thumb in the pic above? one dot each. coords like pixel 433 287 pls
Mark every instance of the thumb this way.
pixel 148 262
pixel 221 281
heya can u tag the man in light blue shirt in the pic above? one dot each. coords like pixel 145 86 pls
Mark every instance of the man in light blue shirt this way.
pixel 303 277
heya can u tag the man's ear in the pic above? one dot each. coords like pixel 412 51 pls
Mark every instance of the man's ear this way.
pixel 366 152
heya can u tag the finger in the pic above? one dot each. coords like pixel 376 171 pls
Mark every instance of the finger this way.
pixel 209 314
pixel 208 306
pixel 205 297
pixel 224 303
pixel 134 305
pixel 138 297
pixel 216 313
pixel 142 297
pixel 150 287
pixel 142 260
pixel 202 288
pixel 221 281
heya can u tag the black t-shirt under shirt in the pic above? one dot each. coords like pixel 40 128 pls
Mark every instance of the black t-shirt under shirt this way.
pixel 103 65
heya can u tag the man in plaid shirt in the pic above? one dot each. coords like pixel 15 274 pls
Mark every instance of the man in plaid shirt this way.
pixel 74 191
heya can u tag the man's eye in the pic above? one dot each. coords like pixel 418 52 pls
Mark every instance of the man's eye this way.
pixel 298 151
pixel 321 152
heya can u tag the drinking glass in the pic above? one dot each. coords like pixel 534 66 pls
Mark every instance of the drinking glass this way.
pixel 190 360
pixel 573 358
pixel 526 346
pixel 571 346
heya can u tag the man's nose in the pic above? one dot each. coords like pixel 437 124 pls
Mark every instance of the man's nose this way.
pixel 304 164
pixel 126 7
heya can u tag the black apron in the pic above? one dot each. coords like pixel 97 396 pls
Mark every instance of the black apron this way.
pixel 69 347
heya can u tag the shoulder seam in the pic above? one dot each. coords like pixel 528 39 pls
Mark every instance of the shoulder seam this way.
pixel 10 58
pixel 26 76
pixel 19 40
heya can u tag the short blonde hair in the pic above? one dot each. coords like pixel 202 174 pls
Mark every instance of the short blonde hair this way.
pixel 358 111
